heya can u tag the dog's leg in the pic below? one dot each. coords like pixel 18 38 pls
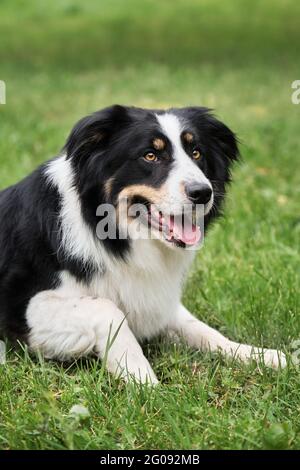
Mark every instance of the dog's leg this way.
pixel 70 327
pixel 200 336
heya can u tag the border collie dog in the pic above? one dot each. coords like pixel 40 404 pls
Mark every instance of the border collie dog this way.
pixel 68 293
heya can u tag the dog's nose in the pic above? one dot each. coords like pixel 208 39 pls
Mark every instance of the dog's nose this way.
pixel 198 193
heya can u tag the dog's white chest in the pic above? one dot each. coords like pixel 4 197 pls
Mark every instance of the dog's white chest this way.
pixel 147 287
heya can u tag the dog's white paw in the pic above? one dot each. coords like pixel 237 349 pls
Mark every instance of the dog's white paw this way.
pixel 135 370
pixel 145 377
pixel 273 358
pixel 269 357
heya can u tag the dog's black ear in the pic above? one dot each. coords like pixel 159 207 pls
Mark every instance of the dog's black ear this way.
pixel 219 139
pixel 94 132
pixel 223 140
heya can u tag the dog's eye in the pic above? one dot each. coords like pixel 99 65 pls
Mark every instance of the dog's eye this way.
pixel 150 157
pixel 196 154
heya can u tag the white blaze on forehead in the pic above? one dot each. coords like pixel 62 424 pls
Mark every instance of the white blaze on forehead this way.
pixel 184 169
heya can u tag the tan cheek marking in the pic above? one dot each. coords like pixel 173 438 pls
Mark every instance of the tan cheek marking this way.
pixel 159 144
pixel 151 194
pixel 188 137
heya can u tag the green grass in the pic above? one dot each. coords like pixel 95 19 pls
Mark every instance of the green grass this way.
pixel 62 59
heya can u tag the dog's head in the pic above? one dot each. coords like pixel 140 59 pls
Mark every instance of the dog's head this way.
pixel 167 161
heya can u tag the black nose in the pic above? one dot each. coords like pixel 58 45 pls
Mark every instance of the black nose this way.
pixel 198 193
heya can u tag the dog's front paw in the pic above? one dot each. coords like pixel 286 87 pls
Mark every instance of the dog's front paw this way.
pixel 135 370
pixel 143 377
pixel 269 357
pixel 274 358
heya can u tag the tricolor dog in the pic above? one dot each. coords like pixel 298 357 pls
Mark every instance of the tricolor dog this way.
pixel 67 292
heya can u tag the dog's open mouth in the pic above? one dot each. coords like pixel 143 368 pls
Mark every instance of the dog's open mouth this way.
pixel 178 229
pixel 181 230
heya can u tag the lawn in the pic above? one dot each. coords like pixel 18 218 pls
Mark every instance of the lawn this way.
pixel 63 59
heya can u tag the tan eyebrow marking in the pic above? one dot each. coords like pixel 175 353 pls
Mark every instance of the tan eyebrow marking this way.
pixel 159 144
pixel 188 137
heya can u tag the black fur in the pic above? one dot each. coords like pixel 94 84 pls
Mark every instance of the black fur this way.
pixel 107 143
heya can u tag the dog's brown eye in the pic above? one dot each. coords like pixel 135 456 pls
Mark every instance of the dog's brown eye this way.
pixel 196 154
pixel 150 157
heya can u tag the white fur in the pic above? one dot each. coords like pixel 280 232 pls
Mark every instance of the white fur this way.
pixel 78 240
pixel 65 327
pixel 184 170
pixel 147 287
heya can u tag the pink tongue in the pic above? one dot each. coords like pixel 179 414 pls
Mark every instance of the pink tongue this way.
pixel 190 234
